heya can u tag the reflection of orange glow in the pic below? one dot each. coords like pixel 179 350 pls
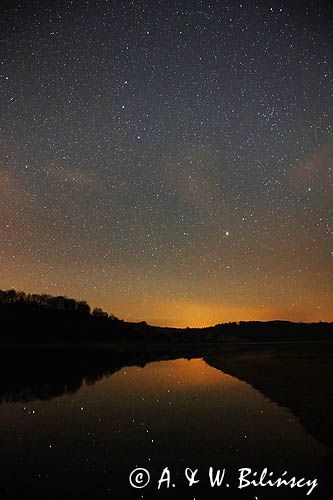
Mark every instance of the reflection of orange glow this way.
pixel 174 374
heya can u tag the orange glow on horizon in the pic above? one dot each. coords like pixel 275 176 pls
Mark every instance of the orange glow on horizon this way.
pixel 182 314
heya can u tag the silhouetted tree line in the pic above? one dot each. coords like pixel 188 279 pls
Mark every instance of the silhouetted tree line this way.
pixel 273 330
pixel 58 303
pixel 44 318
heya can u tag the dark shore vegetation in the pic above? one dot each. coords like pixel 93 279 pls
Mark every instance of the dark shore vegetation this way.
pixel 34 318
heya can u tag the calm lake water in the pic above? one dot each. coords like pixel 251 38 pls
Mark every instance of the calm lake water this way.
pixel 176 414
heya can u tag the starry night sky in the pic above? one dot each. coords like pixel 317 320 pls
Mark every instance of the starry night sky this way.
pixel 169 161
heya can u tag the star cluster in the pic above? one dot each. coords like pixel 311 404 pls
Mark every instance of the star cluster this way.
pixel 169 161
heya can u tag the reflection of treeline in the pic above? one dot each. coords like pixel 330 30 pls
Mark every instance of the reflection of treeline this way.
pixel 34 372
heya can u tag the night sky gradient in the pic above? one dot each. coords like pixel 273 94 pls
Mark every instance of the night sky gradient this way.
pixel 169 161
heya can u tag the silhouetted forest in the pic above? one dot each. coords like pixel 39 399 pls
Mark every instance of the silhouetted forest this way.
pixel 44 318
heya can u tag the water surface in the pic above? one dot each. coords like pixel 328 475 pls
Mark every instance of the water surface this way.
pixel 176 414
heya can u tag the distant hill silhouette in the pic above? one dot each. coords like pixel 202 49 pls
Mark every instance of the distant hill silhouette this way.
pixel 27 318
